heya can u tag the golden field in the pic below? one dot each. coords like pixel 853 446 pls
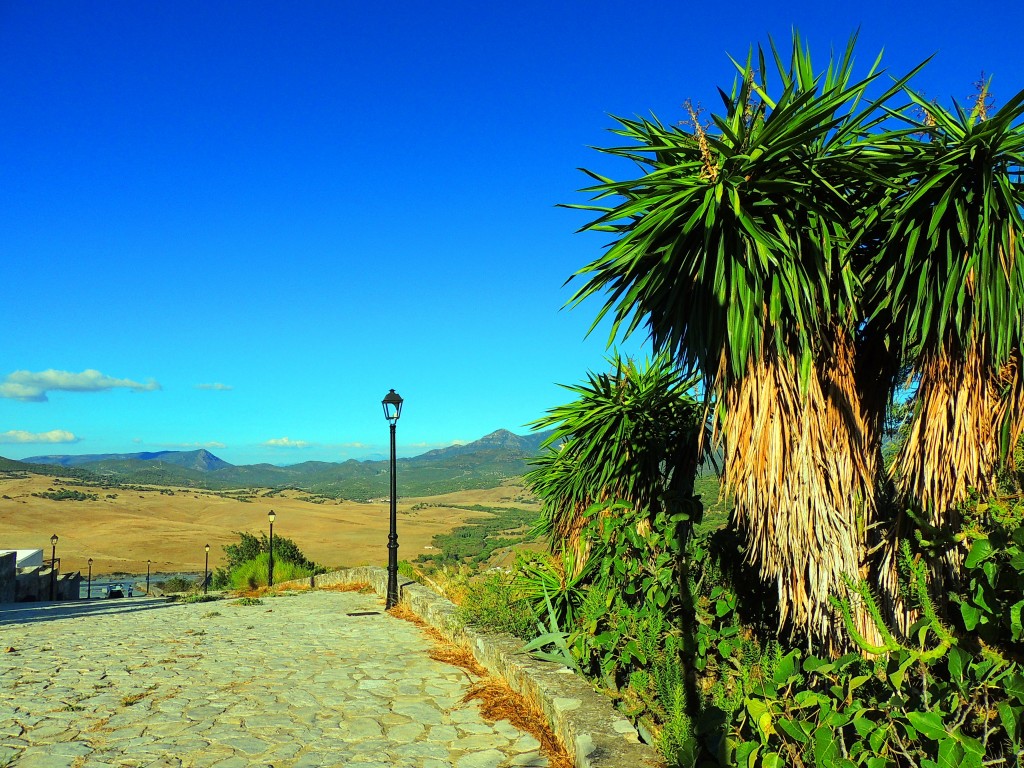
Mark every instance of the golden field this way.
pixel 124 528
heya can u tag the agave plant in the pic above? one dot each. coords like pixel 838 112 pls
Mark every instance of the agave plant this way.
pixel 737 250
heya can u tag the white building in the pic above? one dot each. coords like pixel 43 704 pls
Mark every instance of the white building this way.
pixel 25 558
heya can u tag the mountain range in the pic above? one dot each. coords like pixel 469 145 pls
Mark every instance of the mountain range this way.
pixel 483 463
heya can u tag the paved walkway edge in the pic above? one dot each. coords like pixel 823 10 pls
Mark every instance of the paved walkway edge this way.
pixel 585 721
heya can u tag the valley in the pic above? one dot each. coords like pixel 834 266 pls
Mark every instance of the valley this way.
pixel 121 526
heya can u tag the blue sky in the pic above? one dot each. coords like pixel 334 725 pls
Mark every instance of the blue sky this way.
pixel 238 224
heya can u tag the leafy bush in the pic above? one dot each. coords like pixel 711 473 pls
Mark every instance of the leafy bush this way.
pixel 248 562
pixel 944 696
pixel 252 574
pixel 407 571
pixel 493 602
pixel 65 495
pixel 179 584
pixel 712 690
pixel 249 546
pixel 200 598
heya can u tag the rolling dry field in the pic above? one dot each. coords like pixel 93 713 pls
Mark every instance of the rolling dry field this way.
pixel 123 528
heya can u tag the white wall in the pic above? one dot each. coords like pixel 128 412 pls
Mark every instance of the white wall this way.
pixel 26 558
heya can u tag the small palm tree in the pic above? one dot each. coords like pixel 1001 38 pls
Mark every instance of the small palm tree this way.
pixel 631 434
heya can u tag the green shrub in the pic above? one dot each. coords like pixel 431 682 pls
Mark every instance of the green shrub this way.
pixel 249 546
pixel 179 584
pixel 406 571
pixel 248 601
pixel 199 598
pixel 493 603
pixel 65 495
pixel 252 574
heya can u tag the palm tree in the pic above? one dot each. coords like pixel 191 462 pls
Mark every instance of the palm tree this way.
pixel 737 250
pixel 951 286
pixel 631 435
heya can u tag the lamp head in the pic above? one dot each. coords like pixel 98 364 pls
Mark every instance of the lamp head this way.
pixel 53 540
pixel 90 562
pixel 271 516
pixel 207 549
pixel 392 403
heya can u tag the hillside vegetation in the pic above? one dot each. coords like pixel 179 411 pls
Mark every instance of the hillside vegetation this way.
pixel 484 463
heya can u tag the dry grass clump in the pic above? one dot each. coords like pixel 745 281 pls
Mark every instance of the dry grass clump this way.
pixel 355 586
pixel 497 700
pixel 405 613
pixel 301 586
pixel 455 655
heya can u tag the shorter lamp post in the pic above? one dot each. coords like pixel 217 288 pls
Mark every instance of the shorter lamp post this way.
pixel 53 566
pixel 270 568
pixel 88 593
pixel 206 570
pixel 147 576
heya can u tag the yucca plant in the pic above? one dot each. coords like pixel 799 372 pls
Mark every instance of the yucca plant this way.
pixel 631 434
pixel 736 250
pixel 951 289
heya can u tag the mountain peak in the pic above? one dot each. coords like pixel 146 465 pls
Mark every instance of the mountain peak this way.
pixel 482 463
pixel 200 459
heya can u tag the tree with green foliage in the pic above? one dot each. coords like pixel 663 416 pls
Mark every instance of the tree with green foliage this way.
pixel 801 249
pixel 251 555
pixel 250 546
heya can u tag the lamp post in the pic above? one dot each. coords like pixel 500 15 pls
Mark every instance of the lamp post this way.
pixel 53 566
pixel 392 410
pixel 206 570
pixel 270 568
pixel 148 562
pixel 88 593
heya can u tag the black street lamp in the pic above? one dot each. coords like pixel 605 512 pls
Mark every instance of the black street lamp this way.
pixel 392 410
pixel 270 568
pixel 53 566
pixel 206 570
pixel 88 594
pixel 147 576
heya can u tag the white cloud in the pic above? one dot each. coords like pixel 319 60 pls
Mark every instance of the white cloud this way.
pixel 287 442
pixel 33 387
pixel 216 386
pixel 354 445
pixel 53 436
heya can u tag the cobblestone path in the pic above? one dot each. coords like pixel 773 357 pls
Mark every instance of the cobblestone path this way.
pixel 296 682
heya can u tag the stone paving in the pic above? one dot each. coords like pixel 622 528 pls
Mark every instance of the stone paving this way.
pixel 296 682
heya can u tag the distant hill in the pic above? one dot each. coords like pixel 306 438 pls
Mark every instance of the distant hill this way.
pixel 483 463
pixel 201 460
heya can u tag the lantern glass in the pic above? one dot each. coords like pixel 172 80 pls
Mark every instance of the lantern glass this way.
pixel 392 403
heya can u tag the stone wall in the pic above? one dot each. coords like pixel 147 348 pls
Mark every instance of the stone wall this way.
pixel 8 576
pixel 585 721
pixel 33 584
pixel 69 586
